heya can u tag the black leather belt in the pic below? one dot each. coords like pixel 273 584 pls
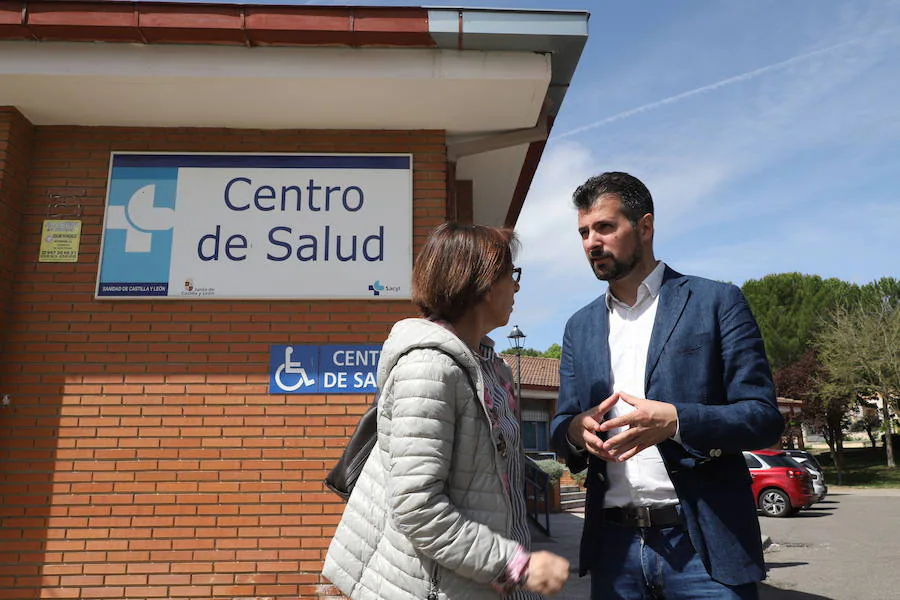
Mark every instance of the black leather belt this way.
pixel 642 516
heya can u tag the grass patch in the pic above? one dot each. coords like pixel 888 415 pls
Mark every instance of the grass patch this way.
pixel 863 467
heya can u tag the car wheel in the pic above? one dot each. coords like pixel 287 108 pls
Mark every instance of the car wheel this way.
pixel 775 503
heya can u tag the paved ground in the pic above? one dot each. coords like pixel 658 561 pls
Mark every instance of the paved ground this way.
pixel 846 548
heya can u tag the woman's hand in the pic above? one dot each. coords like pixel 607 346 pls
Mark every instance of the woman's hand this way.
pixel 547 572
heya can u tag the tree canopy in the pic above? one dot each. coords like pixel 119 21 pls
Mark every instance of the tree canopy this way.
pixel 859 348
pixel 829 343
pixel 787 307
pixel 554 351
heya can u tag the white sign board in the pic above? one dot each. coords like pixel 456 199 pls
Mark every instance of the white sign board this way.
pixel 257 226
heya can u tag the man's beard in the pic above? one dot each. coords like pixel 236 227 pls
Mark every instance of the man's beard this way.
pixel 618 268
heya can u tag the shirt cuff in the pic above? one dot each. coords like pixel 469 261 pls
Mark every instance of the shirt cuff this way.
pixel 677 434
pixel 513 576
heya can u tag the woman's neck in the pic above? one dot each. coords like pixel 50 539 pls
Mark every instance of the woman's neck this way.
pixel 470 330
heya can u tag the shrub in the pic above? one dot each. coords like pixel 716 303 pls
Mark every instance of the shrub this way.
pixel 552 468
pixel 580 476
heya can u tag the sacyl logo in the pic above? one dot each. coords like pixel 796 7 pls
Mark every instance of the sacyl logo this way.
pixel 139 218
pixel 377 288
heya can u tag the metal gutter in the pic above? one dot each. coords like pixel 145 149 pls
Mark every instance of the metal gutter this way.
pixel 559 34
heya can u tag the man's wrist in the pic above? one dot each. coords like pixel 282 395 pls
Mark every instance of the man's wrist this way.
pixel 573 446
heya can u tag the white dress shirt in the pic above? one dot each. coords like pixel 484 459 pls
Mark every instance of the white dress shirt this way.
pixel 643 479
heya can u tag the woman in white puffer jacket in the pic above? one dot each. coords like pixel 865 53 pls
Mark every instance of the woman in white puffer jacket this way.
pixel 439 509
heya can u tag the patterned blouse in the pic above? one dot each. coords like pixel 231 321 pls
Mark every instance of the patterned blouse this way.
pixel 502 406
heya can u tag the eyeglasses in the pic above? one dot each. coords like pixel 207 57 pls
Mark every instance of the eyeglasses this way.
pixel 517 274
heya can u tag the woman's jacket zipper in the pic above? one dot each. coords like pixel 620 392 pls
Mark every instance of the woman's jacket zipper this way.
pixel 435 583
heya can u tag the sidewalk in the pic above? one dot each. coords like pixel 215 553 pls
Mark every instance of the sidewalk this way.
pixel 565 536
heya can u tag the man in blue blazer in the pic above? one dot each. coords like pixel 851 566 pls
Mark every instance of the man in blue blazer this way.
pixel 663 382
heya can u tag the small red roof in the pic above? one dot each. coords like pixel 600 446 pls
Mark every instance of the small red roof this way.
pixel 536 370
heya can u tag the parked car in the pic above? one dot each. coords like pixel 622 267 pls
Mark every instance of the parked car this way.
pixel 820 488
pixel 802 456
pixel 781 485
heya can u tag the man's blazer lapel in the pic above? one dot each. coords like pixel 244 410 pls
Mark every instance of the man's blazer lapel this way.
pixel 595 353
pixel 673 296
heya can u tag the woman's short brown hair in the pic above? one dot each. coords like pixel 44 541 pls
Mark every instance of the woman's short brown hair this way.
pixel 457 267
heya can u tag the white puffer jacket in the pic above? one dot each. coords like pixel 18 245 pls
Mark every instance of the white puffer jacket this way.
pixel 429 517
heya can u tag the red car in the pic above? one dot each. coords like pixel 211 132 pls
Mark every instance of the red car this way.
pixel 781 485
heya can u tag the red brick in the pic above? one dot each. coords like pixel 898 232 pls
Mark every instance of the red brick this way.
pixel 171 457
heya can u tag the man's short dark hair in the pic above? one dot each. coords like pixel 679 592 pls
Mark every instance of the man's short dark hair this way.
pixel 458 266
pixel 634 195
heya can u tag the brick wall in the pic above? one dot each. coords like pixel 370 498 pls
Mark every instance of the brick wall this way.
pixel 142 456
pixel 15 151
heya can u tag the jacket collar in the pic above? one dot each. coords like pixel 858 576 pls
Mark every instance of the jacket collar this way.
pixel 673 297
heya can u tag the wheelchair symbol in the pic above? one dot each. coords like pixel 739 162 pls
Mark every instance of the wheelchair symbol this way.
pixel 294 368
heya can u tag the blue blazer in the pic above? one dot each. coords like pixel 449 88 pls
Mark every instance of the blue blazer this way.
pixel 706 357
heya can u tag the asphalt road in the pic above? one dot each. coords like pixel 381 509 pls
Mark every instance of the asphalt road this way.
pixel 845 548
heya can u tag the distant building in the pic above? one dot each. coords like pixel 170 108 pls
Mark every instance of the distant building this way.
pixel 540 389
pixel 791 410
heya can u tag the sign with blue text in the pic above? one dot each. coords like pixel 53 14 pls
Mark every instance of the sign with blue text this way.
pixel 323 369
pixel 257 226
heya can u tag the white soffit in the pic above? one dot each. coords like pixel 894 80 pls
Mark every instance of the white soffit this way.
pixel 470 91
pixel 494 177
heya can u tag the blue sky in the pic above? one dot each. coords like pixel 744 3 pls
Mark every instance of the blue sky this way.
pixel 768 133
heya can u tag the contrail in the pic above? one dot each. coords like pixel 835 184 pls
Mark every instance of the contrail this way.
pixel 707 88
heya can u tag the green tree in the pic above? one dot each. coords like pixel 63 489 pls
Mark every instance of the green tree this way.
pixel 554 351
pixel 826 409
pixel 788 307
pixel 859 348
pixel 870 422
pixel 524 352
pixel 886 289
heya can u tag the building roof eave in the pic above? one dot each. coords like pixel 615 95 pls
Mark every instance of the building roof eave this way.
pixel 507 98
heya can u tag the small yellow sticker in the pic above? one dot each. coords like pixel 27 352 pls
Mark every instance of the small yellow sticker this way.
pixel 60 241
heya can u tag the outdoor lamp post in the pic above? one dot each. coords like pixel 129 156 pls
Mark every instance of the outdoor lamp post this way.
pixel 515 337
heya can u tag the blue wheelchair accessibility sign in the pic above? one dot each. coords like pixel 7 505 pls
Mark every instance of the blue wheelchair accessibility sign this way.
pixel 323 369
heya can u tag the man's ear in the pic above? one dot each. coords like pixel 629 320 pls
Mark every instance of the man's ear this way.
pixel 645 227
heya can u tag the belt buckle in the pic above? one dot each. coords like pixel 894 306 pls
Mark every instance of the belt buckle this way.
pixel 642 516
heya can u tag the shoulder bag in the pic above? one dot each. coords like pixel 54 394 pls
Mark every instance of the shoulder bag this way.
pixel 342 477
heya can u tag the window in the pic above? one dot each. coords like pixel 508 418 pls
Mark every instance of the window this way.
pixel 535 435
pixel 752 461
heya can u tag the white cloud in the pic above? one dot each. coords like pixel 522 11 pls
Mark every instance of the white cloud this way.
pixel 548 227
pixel 776 168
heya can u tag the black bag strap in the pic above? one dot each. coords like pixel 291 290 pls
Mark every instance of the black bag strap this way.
pixel 342 477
